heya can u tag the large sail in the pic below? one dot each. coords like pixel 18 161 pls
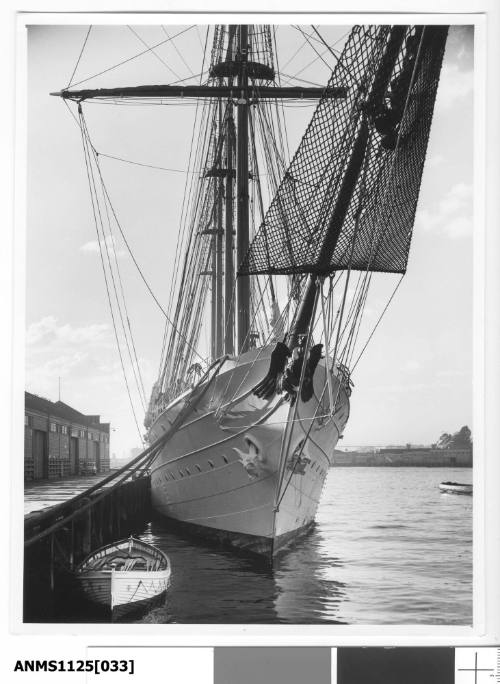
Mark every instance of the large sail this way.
pixel 391 75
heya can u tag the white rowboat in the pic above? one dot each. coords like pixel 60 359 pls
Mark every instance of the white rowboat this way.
pixel 125 577
pixel 455 488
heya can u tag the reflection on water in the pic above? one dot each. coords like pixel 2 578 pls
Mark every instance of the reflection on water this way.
pixel 388 547
pixel 210 585
pixel 40 494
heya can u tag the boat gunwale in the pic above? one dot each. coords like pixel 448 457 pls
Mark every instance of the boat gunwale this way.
pixel 130 574
pixel 152 550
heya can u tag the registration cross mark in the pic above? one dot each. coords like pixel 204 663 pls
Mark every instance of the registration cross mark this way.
pixel 475 669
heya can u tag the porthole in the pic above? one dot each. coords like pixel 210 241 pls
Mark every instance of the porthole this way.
pixel 211 464
pixel 188 471
pixel 225 459
pixel 199 469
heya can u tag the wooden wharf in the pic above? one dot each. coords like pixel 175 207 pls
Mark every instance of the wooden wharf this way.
pixel 58 538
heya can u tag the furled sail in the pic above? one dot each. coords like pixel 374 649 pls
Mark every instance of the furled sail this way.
pixel 376 139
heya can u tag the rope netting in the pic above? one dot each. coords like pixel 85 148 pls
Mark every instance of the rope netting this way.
pixel 391 75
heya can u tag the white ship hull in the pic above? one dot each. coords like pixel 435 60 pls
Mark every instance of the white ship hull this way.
pixel 220 473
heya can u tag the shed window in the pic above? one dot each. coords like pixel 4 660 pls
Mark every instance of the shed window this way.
pixel 53 427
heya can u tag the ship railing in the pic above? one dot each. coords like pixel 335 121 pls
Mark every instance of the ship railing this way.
pixel 344 375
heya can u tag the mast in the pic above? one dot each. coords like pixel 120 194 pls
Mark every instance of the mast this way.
pixel 229 242
pixel 235 81
pixel 219 233
pixel 213 296
pixel 242 224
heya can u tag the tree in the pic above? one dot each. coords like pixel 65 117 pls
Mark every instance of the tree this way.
pixel 458 440
pixel 444 441
pixel 462 438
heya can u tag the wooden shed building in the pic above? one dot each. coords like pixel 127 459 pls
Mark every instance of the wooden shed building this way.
pixel 59 441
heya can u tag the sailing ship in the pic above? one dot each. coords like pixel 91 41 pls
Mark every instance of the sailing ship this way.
pixel 249 426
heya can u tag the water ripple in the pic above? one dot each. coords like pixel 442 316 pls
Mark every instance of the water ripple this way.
pixel 388 548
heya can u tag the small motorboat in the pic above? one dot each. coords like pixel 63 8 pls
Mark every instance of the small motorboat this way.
pixel 125 577
pixel 455 488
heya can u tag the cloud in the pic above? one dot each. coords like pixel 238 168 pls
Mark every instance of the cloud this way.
pixel 455 84
pixel 460 45
pixel 62 350
pixel 403 388
pixel 85 358
pixel 452 215
pixel 458 198
pixel 109 242
pixel 453 373
pixel 48 331
pixel 434 160
pixel 411 366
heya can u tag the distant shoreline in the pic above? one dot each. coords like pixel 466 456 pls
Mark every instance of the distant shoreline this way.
pixel 390 457
pixel 397 465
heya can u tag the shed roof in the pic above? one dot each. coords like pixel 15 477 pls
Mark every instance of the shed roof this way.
pixel 58 409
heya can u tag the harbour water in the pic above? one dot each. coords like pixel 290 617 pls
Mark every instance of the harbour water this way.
pixel 388 548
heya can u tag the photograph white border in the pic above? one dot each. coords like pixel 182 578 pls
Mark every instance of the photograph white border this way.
pixel 485 628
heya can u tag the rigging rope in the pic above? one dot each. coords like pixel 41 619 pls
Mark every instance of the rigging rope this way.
pixel 138 378
pixel 79 56
pixel 139 54
pixel 148 166
pixel 85 143
pixel 132 254
pixel 178 51
pixel 160 59
pixel 377 323
pixel 137 375
pixel 320 55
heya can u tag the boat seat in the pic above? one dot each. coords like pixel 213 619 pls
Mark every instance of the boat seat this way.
pixel 119 565
pixel 123 564
pixel 139 563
